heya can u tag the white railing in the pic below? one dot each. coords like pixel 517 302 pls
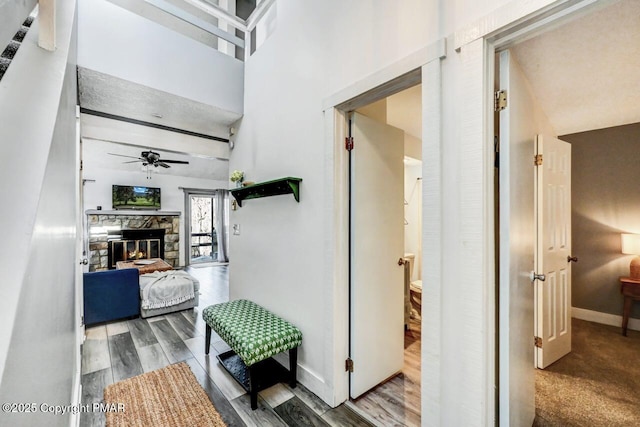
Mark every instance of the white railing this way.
pixel 230 31
pixel 228 41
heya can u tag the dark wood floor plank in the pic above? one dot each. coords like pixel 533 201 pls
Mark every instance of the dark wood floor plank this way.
pixel 264 415
pixel 93 385
pixel 311 400
pixel 152 357
pixel 164 331
pixel 141 333
pixel 295 413
pixel 387 410
pixel 124 357
pixel 222 405
pixel 194 316
pixel 176 351
pixel 182 326
pixel 344 417
pixel 95 354
pixel 172 345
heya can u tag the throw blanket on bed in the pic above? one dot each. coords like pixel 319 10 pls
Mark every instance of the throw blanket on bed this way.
pixel 167 288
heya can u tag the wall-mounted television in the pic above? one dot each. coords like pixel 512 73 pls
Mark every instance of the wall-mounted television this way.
pixel 135 197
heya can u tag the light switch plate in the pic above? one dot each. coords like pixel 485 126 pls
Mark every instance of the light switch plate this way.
pixel 236 229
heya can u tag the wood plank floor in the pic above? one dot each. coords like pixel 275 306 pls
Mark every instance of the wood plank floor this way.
pixel 396 402
pixel 120 350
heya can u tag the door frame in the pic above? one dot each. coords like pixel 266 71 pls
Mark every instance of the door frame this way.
pixel 498 31
pixel 423 65
pixel 473 62
pixel 188 192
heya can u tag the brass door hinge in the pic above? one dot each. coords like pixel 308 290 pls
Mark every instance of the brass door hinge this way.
pixel 537 341
pixel 500 100
pixel 348 365
pixel 348 143
pixel 537 160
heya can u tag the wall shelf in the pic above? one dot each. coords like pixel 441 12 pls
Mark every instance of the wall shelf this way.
pixel 288 185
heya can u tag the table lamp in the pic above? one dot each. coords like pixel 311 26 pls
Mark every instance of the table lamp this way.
pixel 631 246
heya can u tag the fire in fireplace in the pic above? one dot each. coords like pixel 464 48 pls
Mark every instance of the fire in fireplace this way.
pixel 133 244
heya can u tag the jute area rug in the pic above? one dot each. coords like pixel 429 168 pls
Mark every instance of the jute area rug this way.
pixel 170 396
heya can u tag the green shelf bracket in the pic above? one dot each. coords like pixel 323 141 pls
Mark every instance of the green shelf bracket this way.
pixel 288 185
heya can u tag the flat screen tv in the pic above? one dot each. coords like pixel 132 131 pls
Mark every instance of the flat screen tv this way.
pixel 135 197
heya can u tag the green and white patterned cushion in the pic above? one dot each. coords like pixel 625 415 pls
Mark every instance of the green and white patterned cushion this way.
pixel 251 331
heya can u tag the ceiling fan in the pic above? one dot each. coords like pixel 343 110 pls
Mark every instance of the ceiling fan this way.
pixel 151 158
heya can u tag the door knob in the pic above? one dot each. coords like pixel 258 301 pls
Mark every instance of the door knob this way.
pixel 400 261
pixel 535 276
pixel 572 258
pixel 84 261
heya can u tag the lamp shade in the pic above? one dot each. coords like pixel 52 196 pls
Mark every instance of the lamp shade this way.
pixel 631 244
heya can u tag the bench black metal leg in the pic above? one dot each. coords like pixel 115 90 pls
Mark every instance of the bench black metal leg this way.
pixel 253 387
pixel 207 340
pixel 293 366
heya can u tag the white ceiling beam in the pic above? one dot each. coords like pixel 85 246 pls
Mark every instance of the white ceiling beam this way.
pixel 47 24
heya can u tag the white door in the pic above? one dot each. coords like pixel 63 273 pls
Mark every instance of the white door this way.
pixel 517 248
pixel 553 211
pixel 377 243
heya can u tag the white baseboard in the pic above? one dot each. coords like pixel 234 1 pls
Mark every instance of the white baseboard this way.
pixel 603 318
pixel 307 378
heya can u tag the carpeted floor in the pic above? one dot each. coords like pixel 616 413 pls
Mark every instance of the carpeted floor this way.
pixel 597 384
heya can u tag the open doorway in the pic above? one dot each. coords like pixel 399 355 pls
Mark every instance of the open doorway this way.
pixel 569 74
pixel 207 226
pixel 203 238
pixel 386 258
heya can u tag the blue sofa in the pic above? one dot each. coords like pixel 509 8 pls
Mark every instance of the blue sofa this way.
pixel 111 295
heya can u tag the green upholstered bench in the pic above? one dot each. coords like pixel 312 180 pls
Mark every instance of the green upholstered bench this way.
pixel 254 335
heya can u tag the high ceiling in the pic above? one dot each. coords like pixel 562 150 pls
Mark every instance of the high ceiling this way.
pixel 125 117
pixel 107 94
pixel 96 156
pixel 586 73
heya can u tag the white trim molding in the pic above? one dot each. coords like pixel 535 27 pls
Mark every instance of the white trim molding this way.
pixel 519 17
pixel 432 243
pixel 603 318
pixel 414 61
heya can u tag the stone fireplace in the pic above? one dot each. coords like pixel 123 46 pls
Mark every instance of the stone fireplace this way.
pixel 118 236
pixel 134 244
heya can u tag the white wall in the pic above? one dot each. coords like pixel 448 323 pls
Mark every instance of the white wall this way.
pixel 38 356
pixel 98 193
pixel 117 42
pixel 284 254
